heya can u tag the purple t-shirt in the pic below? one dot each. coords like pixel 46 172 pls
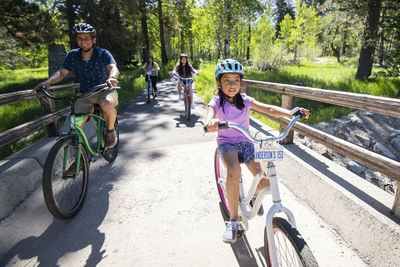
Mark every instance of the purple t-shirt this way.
pixel 233 114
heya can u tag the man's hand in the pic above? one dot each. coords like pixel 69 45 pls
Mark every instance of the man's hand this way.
pixel 112 82
pixel 46 84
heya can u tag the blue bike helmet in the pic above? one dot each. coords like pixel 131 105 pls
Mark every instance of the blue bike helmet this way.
pixel 229 66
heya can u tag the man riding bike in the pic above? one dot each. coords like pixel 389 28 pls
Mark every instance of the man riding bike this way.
pixel 92 66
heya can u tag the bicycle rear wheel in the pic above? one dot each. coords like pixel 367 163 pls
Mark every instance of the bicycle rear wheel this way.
pixel 65 191
pixel 292 250
pixel 148 91
pixel 110 154
pixel 220 178
pixel 187 106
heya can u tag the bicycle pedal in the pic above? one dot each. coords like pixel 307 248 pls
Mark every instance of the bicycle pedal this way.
pixel 240 233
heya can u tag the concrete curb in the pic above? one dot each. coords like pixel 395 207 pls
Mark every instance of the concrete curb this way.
pixel 358 210
pixel 21 174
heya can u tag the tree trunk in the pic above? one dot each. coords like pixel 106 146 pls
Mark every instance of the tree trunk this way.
pixel 191 45
pixel 164 57
pixel 248 43
pixel 381 51
pixel 145 34
pixel 183 42
pixel 227 52
pixel 365 60
pixel 71 22
pixel 336 53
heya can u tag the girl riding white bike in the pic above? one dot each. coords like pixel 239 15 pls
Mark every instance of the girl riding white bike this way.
pixel 234 147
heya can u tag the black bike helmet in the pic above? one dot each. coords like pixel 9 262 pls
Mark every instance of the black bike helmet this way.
pixel 84 28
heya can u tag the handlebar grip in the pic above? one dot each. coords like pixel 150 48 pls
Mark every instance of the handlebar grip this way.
pixel 221 125
pixel 296 111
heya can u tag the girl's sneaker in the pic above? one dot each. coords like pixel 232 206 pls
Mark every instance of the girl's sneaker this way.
pixel 192 106
pixel 179 98
pixel 231 232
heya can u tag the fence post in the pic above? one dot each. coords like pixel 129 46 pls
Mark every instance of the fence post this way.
pixel 396 204
pixel 56 56
pixel 288 102
pixel 245 89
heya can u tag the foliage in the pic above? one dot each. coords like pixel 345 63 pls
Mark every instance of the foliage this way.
pixel 300 31
pixel 341 31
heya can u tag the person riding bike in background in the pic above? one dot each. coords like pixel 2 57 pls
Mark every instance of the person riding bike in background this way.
pixel 152 66
pixel 235 147
pixel 92 66
pixel 185 70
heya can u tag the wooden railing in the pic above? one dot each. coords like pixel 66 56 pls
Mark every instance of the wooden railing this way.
pixel 48 108
pixel 381 105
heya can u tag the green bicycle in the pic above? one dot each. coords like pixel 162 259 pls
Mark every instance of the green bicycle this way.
pixel 66 171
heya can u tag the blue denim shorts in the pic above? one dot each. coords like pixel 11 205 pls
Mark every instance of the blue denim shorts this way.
pixel 244 150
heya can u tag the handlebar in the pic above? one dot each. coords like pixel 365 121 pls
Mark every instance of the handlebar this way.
pixel 227 124
pixel 97 88
pixel 185 79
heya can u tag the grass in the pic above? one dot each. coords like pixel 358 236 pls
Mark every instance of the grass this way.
pixel 330 76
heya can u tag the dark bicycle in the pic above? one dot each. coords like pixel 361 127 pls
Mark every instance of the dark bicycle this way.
pixel 66 171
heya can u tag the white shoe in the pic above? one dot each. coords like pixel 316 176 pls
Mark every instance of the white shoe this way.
pixel 192 106
pixel 179 98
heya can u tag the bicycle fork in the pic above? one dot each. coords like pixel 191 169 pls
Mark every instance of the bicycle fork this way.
pixel 277 207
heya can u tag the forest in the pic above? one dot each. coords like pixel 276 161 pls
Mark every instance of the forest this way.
pixel 265 34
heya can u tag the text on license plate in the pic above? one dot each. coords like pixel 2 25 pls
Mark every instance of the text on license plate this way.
pixel 268 154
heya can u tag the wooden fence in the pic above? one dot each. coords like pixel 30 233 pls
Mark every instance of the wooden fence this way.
pixel 48 108
pixel 381 105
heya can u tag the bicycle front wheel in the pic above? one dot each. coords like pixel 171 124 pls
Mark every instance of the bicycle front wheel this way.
pixel 110 154
pixel 220 178
pixel 148 92
pixel 65 191
pixel 291 249
pixel 187 107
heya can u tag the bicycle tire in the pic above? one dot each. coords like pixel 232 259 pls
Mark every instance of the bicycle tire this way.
pixel 111 154
pixel 187 107
pixel 220 179
pixel 292 249
pixel 65 195
pixel 148 92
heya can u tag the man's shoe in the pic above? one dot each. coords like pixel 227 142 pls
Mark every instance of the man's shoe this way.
pixel 231 232
pixel 260 211
pixel 192 106
pixel 111 139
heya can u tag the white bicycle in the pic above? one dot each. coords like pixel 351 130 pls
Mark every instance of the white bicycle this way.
pixel 283 244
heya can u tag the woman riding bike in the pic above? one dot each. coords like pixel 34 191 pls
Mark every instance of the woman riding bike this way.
pixel 185 70
pixel 152 66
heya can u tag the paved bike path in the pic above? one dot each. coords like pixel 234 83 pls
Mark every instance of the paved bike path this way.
pixel 156 205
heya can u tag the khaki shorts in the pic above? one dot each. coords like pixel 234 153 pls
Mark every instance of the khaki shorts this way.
pixel 86 104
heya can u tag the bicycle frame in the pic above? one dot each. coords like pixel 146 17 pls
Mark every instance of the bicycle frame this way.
pixel 76 129
pixel 246 212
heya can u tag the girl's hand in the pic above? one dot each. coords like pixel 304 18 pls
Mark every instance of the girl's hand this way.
pixel 212 125
pixel 306 113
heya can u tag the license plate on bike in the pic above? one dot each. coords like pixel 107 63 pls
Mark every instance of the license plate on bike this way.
pixel 268 153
